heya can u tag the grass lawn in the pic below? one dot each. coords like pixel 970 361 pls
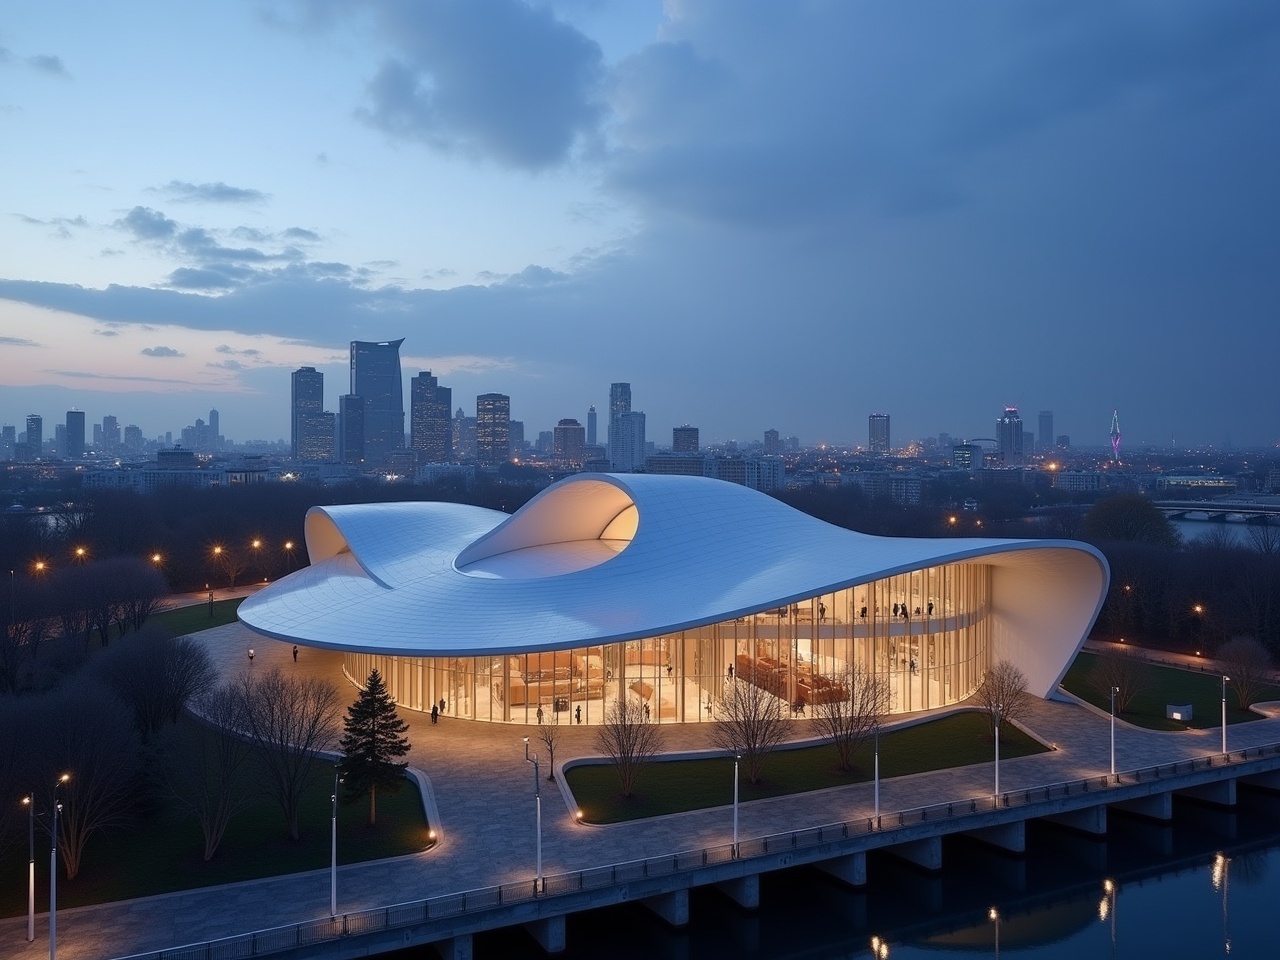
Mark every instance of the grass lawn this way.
pixel 163 850
pixel 184 620
pixel 674 786
pixel 1167 685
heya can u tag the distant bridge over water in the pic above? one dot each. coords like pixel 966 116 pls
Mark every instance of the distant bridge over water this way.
pixel 1221 510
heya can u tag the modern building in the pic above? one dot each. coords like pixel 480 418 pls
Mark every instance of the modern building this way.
pixel 375 376
pixel 619 406
pixel 35 434
pixel 1045 437
pixel 317 437
pixel 878 433
pixel 463 429
pixel 351 413
pixel 110 433
pixel 684 439
pixel 591 425
pixel 493 429
pixel 215 430
pixel 75 435
pixel 568 442
pixel 626 442
pixel 306 396
pixel 772 444
pixel 664 591
pixel 1009 437
pixel 430 432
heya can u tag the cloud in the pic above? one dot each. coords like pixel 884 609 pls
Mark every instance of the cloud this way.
pixel 47 63
pixel 147 224
pixel 500 79
pixel 300 234
pixel 183 191
pixel 89 375
pixel 228 349
pixel 535 276
pixel 226 365
pixel 61 225
pixel 106 333
pixel 160 352
pixel 17 342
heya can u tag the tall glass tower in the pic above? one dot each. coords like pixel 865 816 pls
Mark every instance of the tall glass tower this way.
pixel 307 399
pixel 430 429
pixel 375 376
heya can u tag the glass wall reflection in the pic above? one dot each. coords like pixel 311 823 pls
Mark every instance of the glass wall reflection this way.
pixel 925 632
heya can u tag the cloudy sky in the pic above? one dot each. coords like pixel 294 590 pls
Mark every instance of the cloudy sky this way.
pixel 761 214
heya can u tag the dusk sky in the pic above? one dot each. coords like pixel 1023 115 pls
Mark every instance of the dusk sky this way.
pixel 785 214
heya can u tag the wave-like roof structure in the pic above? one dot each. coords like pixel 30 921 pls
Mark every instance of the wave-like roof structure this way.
pixel 598 558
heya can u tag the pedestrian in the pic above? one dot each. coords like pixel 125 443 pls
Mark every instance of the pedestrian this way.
pixel 539 714
pixel 822 611
pixel 442 704
pixel 435 713
pixel 895 609
pixel 295 653
pixel 931 608
pixel 731 671
pixel 668 671
pixel 577 713
pixel 251 654
pixel 646 710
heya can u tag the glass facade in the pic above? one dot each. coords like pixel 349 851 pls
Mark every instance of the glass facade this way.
pixel 926 632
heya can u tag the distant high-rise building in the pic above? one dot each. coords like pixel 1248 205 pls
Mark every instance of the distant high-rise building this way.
pixel 430 431
pixel 772 444
pixel 317 437
pixel 1009 437
pixel 464 436
pixel 568 441
pixel 619 406
pixel 110 433
pixel 878 433
pixel 1046 431
pixel 493 428
pixel 1064 441
pixel 591 425
pixel 966 456
pixel 684 439
pixel 133 438
pixel 516 430
pixel 215 431
pixel 75 434
pixel 8 440
pixel 626 442
pixel 351 411
pixel 546 442
pixel 375 375
pixel 1028 442
pixel 35 435
pixel 306 397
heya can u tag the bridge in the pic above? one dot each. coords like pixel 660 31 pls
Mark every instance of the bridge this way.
pixel 1220 510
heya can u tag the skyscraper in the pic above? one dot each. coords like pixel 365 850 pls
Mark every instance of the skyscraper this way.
pixel 1009 437
pixel 568 441
pixel 375 376
pixel 351 409
pixel 619 406
pixel 591 425
pixel 626 442
pixel 878 433
pixel 464 436
pixel 684 439
pixel 316 437
pixel 306 397
pixel 35 435
pixel 772 445
pixel 75 434
pixel 430 432
pixel 1046 431
pixel 215 431
pixel 493 428
pixel 110 433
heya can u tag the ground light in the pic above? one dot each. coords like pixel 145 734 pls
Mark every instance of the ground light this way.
pixel 53 870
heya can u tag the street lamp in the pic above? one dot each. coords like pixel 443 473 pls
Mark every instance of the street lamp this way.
pixel 1114 691
pixel 1225 678
pixel 876 772
pixel 30 803
pixel 53 870
pixel 999 710
pixel 537 803
pixel 736 758
pixel 333 846
pixel 81 554
pixel 994 916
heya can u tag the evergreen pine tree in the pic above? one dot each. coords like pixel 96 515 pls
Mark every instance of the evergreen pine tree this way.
pixel 373 740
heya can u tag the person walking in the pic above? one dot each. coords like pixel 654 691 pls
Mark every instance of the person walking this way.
pixel 435 712
pixel 295 653
pixel 577 713
pixel 539 714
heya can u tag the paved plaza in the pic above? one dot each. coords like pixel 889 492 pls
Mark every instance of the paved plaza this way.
pixel 481 785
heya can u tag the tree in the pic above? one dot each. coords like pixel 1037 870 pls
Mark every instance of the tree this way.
pixel 289 720
pixel 208 766
pixel 750 723
pixel 1248 664
pixel 629 740
pixel 158 676
pixel 373 739
pixel 1003 693
pixel 1120 667
pixel 849 716
pixel 1130 517
pixel 549 734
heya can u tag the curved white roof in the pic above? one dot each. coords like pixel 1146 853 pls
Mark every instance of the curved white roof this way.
pixel 597 558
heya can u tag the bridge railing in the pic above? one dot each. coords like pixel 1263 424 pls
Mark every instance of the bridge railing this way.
pixel 279 939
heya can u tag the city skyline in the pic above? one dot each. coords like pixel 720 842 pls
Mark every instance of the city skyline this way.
pixel 762 216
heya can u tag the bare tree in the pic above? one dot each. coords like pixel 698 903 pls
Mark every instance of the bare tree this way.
pixel 1003 693
pixel 549 734
pixel 84 731
pixel 629 740
pixel 1248 663
pixel 750 724
pixel 849 715
pixel 208 767
pixel 1264 538
pixel 290 720
pixel 158 676
pixel 1123 669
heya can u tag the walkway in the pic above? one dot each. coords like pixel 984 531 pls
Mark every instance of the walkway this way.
pixel 482 786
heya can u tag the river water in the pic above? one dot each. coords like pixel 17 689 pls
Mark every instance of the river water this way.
pixel 1204 886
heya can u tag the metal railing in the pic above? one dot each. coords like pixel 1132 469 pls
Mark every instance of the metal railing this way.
pixel 265 942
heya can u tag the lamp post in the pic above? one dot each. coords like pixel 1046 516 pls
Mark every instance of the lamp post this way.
pixel 1114 691
pixel 333 845
pixel 736 758
pixel 876 772
pixel 30 803
pixel 1225 678
pixel 994 916
pixel 537 804
pixel 53 870
pixel 999 710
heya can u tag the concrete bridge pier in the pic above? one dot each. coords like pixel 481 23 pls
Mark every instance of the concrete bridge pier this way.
pixel 672 907
pixel 744 891
pixel 1157 806
pixel 455 948
pixel 1090 820
pixel 1011 837
pixel 851 869
pixel 549 932
pixel 1221 794
pixel 926 853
